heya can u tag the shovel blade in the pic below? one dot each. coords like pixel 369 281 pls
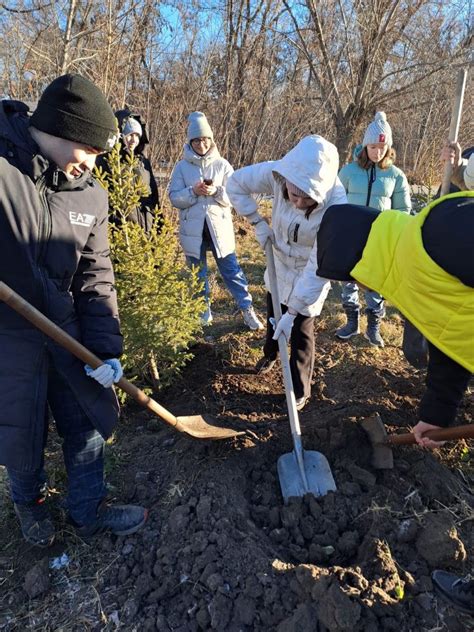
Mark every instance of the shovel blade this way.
pixel 200 428
pixel 318 475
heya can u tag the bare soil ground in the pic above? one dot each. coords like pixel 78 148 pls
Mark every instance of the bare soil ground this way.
pixel 221 551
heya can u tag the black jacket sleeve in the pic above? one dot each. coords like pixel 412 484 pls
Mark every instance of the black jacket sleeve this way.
pixel 150 205
pixel 95 296
pixel 448 237
pixel 153 199
pixel 446 383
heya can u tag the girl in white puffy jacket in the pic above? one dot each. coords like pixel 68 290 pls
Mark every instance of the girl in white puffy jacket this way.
pixel 303 184
pixel 198 189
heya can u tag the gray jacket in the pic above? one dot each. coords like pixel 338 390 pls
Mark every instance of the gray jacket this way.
pixel 215 210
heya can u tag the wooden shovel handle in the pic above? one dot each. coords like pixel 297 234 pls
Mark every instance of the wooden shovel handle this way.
pixel 454 127
pixel 39 320
pixel 443 434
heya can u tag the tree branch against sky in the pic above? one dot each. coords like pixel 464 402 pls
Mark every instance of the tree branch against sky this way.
pixel 266 72
pixel 364 55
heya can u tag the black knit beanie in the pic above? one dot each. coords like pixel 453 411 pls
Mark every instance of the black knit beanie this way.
pixel 74 108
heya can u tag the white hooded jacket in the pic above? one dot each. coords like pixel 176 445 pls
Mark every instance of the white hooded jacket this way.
pixel 312 166
pixel 194 210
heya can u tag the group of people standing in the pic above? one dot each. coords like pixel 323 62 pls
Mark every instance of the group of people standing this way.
pixel 204 188
pixel 351 225
pixel 303 184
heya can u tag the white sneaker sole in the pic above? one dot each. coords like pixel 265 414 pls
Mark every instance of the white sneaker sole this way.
pixel 355 333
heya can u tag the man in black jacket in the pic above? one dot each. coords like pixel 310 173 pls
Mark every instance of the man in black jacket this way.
pixel 54 252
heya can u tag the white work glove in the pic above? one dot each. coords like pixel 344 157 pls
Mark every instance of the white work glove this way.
pixel 284 326
pixel 263 232
pixel 106 374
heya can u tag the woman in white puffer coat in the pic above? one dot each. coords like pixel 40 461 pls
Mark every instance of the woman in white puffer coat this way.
pixel 303 184
pixel 198 189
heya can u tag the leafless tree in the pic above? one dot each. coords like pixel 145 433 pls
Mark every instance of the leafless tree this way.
pixel 266 72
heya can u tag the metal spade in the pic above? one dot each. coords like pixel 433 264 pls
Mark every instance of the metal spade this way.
pixel 300 471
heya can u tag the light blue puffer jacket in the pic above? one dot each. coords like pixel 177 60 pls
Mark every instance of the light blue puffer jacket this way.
pixel 390 189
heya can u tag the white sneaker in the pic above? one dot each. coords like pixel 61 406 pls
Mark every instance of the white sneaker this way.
pixel 251 319
pixel 206 317
pixel 301 402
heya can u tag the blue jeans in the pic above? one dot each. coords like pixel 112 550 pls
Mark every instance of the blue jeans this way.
pixel 231 272
pixel 350 299
pixel 83 450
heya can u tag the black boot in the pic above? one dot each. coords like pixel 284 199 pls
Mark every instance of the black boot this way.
pixel 351 328
pixel 35 523
pixel 457 591
pixel 119 519
pixel 373 329
pixel 265 365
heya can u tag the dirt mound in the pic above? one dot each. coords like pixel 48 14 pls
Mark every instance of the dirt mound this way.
pixel 231 555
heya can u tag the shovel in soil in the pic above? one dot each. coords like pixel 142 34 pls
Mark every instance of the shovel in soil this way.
pixel 301 471
pixel 194 425
pixel 382 442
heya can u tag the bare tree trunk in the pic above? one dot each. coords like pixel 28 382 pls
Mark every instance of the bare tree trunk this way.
pixel 66 52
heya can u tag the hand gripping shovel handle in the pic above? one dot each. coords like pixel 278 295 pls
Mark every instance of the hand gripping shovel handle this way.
pixel 39 320
pixel 454 127
pixel 285 364
pixel 443 434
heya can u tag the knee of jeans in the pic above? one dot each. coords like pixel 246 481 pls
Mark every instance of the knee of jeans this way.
pixel 82 443
pixel 350 295
pixel 230 267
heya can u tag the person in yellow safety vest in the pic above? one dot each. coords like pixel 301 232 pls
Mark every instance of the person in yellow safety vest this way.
pixel 424 266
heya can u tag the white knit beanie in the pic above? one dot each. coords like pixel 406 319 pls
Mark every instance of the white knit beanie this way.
pixel 131 126
pixel 199 126
pixel 379 131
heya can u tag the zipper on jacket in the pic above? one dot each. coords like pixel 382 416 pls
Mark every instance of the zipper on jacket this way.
pixel 295 233
pixel 371 177
pixel 44 236
pixel 46 224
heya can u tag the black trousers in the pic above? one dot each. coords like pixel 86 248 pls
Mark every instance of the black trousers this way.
pixel 302 349
pixel 446 383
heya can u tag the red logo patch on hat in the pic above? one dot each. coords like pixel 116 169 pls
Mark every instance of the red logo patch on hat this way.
pixel 381 138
